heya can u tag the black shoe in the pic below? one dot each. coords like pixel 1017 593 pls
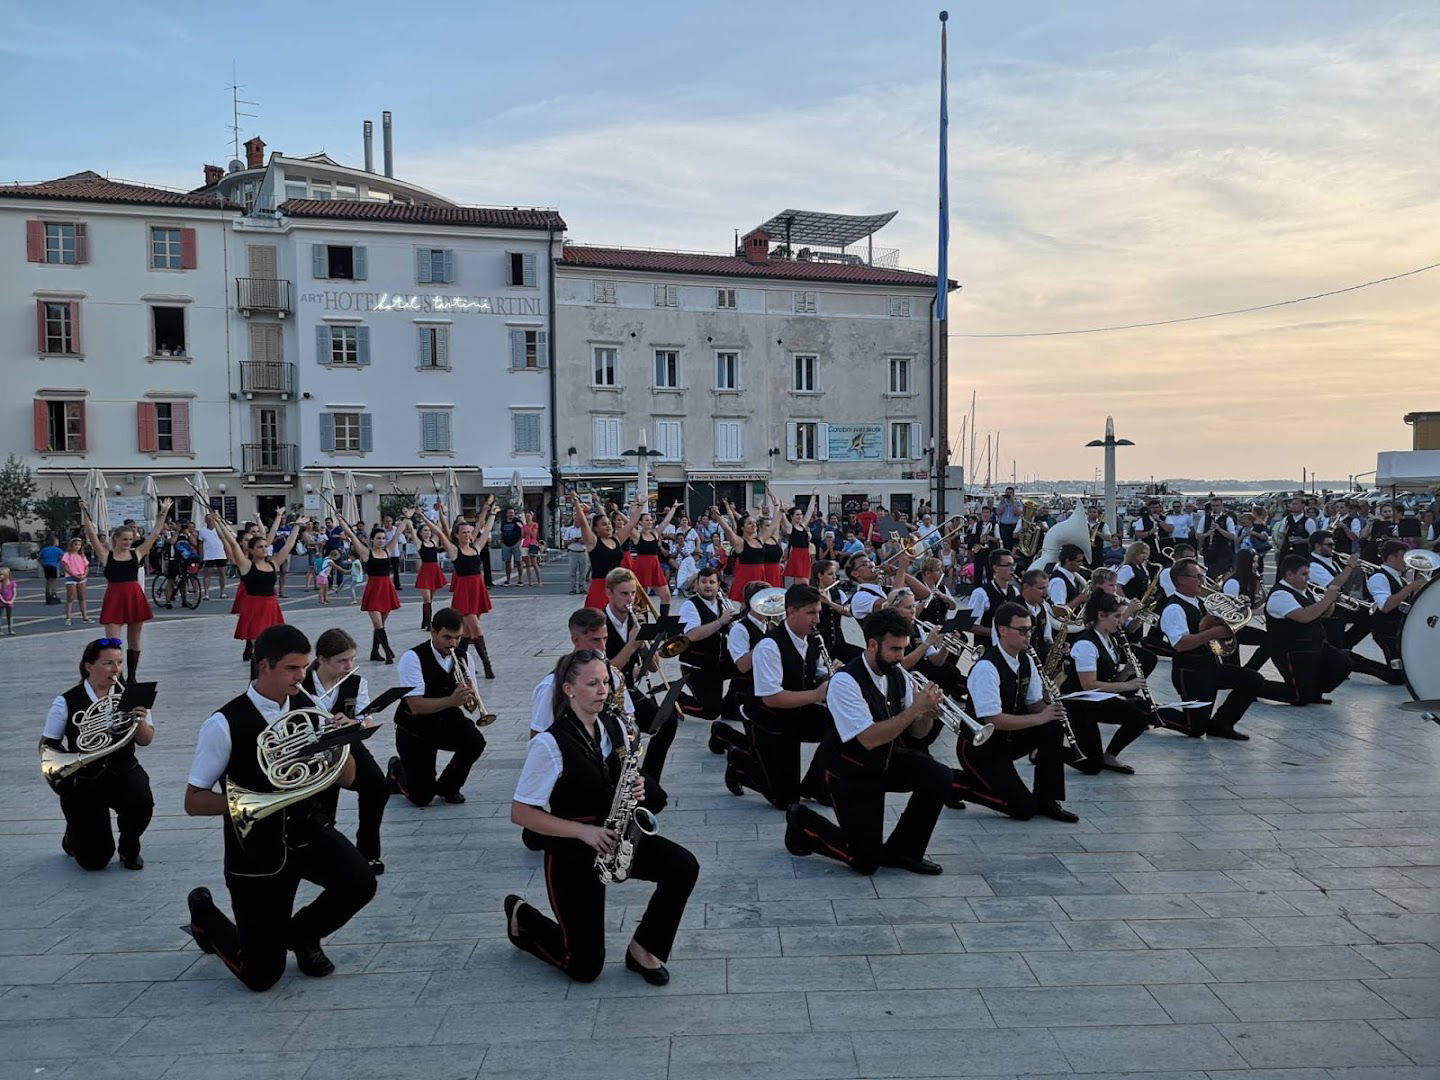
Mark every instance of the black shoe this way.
pixel 312 961
pixel 732 776
pixel 795 841
pixel 392 776
pixel 914 864
pixel 1052 809
pixel 1118 767
pixel 377 867
pixel 200 903
pixel 452 797
pixel 718 745
pixel 65 844
pixel 1229 733
pixel 132 862
pixel 658 976
pixel 511 903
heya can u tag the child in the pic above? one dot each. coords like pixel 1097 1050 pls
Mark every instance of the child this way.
pixel 357 578
pixel 8 588
pixel 322 577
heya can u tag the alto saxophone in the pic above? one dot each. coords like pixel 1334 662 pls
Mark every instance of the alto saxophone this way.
pixel 627 819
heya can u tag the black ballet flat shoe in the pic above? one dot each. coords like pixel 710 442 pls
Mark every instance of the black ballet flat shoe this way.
pixel 795 841
pixel 914 864
pixel 657 976
pixel 1229 733
pixel 732 777
pixel 452 797
pixel 954 802
pixel 717 743
pixel 1056 812
pixel 511 903
pixel 1125 770
pixel 392 776
pixel 132 862
pixel 312 961
pixel 377 867
pixel 65 844
pixel 200 903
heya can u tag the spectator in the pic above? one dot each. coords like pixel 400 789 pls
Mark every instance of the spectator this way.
pixel 50 567
pixel 511 533
pixel 76 568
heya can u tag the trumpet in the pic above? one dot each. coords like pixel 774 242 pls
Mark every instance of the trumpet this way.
pixel 952 715
pixel 475 712
pixel 954 642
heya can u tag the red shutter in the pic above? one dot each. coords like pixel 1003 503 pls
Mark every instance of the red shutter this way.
pixel 84 436
pixel 82 244
pixel 180 426
pixel 75 327
pixel 187 249
pixel 40 326
pixel 42 424
pixel 35 241
pixel 145 417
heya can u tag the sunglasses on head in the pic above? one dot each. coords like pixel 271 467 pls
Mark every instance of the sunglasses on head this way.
pixel 109 642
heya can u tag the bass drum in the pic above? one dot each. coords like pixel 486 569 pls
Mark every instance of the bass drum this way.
pixel 1420 643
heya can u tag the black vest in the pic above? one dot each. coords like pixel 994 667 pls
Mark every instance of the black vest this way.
pixel 875 591
pixel 1013 684
pixel 614 642
pixel 1287 635
pixel 586 785
pixel 851 758
pixel 743 683
pixel 1386 623
pixel 1072 589
pixel 1216 543
pixel 935 610
pixel 121 761
pixel 797 672
pixel 706 654
pixel 438 683
pixel 995 598
pixel 1196 658
pixel 830 629
pixel 1135 588
pixel 1295 535
pixel 1106 668
pixel 1147 525
pixel 346 694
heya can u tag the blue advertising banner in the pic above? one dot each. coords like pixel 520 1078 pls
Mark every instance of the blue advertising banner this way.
pixel 856 442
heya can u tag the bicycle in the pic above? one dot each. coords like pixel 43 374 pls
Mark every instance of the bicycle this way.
pixel 187 587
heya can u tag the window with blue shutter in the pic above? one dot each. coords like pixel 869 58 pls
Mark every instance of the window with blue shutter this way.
pixel 322 345
pixel 435 431
pixel 522 269
pixel 422 266
pixel 367 436
pixel 443 431
pixel 517 349
pixel 427 347
pixel 447 266
pixel 327 433
pixel 526 428
pixel 542 349
pixel 362 341
pixel 319 261
pixel 359 263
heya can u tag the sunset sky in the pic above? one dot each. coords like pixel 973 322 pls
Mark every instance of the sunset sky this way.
pixel 1110 163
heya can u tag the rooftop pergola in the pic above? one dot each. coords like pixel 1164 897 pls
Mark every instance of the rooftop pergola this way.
pixel 826 230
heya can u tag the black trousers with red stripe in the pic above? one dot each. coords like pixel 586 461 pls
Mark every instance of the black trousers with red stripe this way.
pixel 574 940
pixel 417 750
pixel 704 693
pixel 1086 716
pixel 1312 673
pixel 987 774
pixel 1202 680
pixel 857 836
pixel 771 766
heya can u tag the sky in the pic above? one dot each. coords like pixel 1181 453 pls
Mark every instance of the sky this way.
pixel 1110 163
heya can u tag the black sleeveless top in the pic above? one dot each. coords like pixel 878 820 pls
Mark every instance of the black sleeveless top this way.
pixel 647 547
pixel 119 570
pixel 772 552
pixel 377 566
pixel 603 559
pixel 465 565
pixel 752 556
pixel 799 538
pixel 429 553
pixel 259 582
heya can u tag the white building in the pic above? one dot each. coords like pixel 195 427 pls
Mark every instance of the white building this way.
pixel 114 334
pixel 805 373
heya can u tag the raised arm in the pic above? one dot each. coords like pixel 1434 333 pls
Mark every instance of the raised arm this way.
pixel 732 537
pixel 232 546
pixel 280 558
pixel 626 530
pixel 485 524
pixel 668 515
pixel 160 518
pixel 100 547
pixel 582 521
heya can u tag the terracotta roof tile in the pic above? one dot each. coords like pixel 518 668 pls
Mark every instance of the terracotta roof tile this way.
pixel 736 266
pixel 376 210
pixel 92 187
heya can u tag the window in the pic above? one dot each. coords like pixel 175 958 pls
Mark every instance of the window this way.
pixel 344 191
pixel 904 441
pixel 344 345
pixel 805 365
pixel 346 433
pixel 727 371
pixel 899 375
pixel 804 302
pixel 295 189
pixel 529 350
pixel 434 348
pixel 59 327
pixel 667 296
pixel 667 369
pixel 607 363
pixel 164 248
pixel 522 269
pixel 435 435
pixel 168 331
pixel 807 440
pixel 164 426
pixel 227 506
pixel 668 440
pixel 59 426
pixel 320 189
pixel 61 243
pixel 343 262
pixel 525 432
pixel 434 266
pixel 899 307
pixel 607 438
pixel 725 299
pixel 604 292
pixel 727 440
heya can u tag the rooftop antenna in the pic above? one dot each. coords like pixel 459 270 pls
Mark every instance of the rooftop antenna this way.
pixel 235 114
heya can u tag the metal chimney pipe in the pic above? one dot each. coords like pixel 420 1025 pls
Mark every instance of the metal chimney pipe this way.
pixel 389 143
pixel 369 146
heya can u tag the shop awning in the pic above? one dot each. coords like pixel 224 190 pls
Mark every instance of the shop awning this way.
pixel 532 476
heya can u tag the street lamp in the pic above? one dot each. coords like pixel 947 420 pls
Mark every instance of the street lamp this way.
pixel 642 455
pixel 1110 443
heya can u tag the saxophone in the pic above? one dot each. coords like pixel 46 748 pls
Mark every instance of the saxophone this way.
pixel 627 819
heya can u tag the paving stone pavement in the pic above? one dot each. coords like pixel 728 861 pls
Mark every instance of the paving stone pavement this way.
pixel 1258 911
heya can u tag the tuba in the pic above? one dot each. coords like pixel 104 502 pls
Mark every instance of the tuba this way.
pixel 1075 529
pixel 1028 539
pixel 101 730
pixel 296 760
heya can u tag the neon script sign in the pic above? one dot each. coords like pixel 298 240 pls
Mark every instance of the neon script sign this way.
pixel 423 304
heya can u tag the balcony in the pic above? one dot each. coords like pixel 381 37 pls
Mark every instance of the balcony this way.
pixel 267 296
pixel 264 463
pixel 265 377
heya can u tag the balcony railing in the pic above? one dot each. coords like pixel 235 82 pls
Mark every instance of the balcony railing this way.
pixel 269 460
pixel 266 295
pixel 267 377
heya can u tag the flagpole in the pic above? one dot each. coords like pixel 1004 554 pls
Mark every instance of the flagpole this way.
pixel 942 274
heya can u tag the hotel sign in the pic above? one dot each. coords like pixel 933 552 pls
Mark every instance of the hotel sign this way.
pixel 421 303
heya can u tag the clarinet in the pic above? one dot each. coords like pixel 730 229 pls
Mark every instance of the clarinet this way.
pixel 1144 694
pixel 1052 697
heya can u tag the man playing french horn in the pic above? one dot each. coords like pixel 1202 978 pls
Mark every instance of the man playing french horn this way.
pixel 267 855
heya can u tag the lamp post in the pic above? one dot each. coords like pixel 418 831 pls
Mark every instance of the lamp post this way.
pixel 642 455
pixel 1110 443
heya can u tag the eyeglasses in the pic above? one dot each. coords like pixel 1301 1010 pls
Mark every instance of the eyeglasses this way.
pixel 1019 629
pixel 109 642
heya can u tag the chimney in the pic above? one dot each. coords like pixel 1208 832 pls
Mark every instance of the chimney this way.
pixel 389 143
pixel 757 247
pixel 213 173
pixel 255 153
pixel 369 146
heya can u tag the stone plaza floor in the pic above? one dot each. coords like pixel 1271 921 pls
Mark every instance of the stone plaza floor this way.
pixel 1257 910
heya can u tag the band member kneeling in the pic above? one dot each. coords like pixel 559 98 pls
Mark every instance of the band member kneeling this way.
pixel 872 704
pixel 265 866
pixel 565 795
pixel 431 717
pixel 1295 621
pixel 116 781
pixel 1097 662
pixel 1006 691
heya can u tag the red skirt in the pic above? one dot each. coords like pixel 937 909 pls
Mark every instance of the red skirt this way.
pixel 595 597
pixel 772 573
pixel 257 613
pixel 430 576
pixel 744 574
pixel 798 563
pixel 627 560
pixel 469 595
pixel 125 603
pixel 239 600
pixel 648 573
pixel 380 594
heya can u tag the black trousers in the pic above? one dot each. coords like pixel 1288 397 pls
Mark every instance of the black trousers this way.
pixel 857 836
pixel 1312 673
pixel 86 804
pixel 704 693
pixel 1219 561
pixel 1086 716
pixel 987 772
pixel 1203 681
pixel 1256 637
pixel 1144 656
pixel 658 750
pixel 771 766
pixel 1345 637
pixel 574 940
pixel 1390 647
pixel 253 947
pixel 417 779
pixel 372 790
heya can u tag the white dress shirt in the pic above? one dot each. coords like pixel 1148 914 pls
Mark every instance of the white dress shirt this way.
pixel 865 599
pixel 325 698
pixel 408 673
pixel 690 613
pixel 766 666
pixel 543 766
pixel 55 718
pixel 1167 583
pixel 1087 657
pixel 1125 574
pixel 984 685
pixel 1281 603
pixel 848 706
pixel 738 639
pixel 1322 571
pixel 1172 620
pixel 1056 588
pixel 212 747
pixel 542 702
